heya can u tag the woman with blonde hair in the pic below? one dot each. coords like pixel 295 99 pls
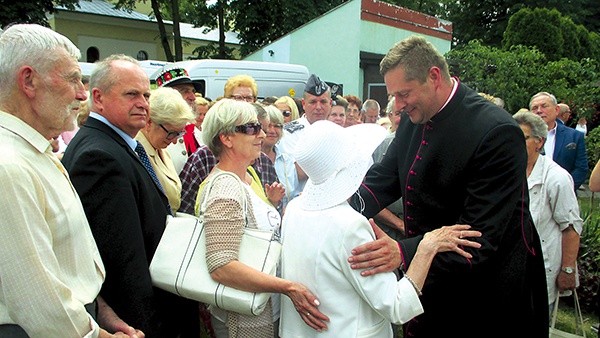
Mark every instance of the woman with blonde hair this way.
pixel 241 88
pixel 288 108
pixel 283 163
pixel 169 114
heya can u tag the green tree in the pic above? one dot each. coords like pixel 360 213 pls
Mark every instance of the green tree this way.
pixel 487 20
pixel 511 75
pixel 562 37
pixel 537 27
pixel 30 11
pixel 518 73
pixel 256 22
pixel 158 7
pixel 214 16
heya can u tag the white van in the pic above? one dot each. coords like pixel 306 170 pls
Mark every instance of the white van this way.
pixel 149 66
pixel 273 79
pixel 86 68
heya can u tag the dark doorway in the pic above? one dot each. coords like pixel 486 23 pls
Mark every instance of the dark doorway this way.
pixel 92 55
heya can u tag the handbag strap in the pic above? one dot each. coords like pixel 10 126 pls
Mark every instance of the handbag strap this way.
pixel 209 186
pixel 578 315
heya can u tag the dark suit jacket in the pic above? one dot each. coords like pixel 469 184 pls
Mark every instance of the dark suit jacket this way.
pixel 570 153
pixel 127 215
pixel 467 165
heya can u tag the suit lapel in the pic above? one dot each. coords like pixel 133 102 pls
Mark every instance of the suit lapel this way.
pixel 101 126
pixel 559 139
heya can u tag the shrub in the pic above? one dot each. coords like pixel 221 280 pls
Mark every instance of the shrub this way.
pixel 589 256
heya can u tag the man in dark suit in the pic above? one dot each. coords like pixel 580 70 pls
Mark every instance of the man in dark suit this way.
pixel 126 209
pixel 565 145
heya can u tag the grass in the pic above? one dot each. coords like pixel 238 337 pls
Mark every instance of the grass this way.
pixel 565 320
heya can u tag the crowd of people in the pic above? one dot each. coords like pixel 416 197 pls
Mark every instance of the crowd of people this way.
pixel 432 215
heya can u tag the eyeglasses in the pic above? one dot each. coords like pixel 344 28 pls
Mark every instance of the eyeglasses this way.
pixel 237 97
pixel 286 113
pixel 252 128
pixel 172 134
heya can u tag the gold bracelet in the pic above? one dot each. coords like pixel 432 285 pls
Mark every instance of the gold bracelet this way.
pixel 414 285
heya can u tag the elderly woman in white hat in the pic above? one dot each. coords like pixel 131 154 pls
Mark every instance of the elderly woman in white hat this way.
pixel 232 132
pixel 320 229
pixel 169 114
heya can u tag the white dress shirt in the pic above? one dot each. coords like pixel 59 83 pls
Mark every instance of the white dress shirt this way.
pixel 50 266
pixel 550 142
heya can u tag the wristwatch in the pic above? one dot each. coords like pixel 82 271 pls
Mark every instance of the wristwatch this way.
pixel 567 269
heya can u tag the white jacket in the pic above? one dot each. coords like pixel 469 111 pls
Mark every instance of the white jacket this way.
pixel 316 247
pixel 553 205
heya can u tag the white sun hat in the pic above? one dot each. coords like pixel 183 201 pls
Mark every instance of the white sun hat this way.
pixel 336 160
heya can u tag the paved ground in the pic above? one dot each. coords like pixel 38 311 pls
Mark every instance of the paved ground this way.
pixel 584 191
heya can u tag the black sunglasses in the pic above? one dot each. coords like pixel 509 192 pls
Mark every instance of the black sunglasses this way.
pixel 172 134
pixel 252 128
pixel 286 113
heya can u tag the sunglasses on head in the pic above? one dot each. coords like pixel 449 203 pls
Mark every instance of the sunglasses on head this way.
pixel 252 128
pixel 286 113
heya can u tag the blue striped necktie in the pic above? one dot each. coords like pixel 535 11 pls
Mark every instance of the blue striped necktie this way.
pixel 139 149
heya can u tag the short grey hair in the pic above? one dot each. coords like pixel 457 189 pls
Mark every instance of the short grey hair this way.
pixel 275 115
pixel 32 45
pixel 552 98
pixel 371 104
pixel 103 76
pixel 168 106
pixel 222 118
pixel 538 126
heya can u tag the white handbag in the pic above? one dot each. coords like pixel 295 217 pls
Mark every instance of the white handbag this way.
pixel 179 263
pixel 556 333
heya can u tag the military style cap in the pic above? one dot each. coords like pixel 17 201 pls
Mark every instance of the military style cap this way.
pixel 315 86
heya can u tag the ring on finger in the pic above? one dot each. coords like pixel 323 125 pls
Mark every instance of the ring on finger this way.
pixel 461 235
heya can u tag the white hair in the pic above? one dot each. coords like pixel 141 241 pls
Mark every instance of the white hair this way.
pixel 33 45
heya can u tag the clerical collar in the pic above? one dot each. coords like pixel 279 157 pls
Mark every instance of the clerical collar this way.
pixel 454 88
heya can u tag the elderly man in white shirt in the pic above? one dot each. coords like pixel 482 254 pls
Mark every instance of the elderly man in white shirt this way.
pixel 554 209
pixel 50 267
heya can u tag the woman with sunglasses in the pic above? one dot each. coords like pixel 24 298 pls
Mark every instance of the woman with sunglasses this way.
pixel 288 108
pixel 232 132
pixel 169 114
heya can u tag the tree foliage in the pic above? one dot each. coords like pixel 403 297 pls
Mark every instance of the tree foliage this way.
pixel 171 7
pixel 256 22
pixel 528 25
pixel 213 16
pixel 487 20
pixel 516 74
pixel 565 38
pixel 30 11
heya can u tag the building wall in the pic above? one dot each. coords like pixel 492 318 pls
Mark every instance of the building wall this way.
pixel 346 44
pixel 109 35
pixel 326 46
pixel 118 35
